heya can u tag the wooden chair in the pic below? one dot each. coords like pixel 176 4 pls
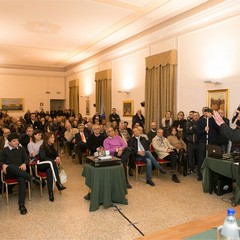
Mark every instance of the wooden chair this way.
pixel 11 181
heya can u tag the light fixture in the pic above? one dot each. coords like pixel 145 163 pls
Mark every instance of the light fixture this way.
pixel 123 91
pixel 217 81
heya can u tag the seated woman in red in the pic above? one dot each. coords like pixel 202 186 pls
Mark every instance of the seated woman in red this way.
pixel 49 160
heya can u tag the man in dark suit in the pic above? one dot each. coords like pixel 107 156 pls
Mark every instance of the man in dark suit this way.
pixel 14 160
pixel 114 116
pixel 26 137
pixel 141 151
pixel 33 121
pixel 81 141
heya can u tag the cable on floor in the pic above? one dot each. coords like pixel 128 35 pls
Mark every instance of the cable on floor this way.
pixel 119 210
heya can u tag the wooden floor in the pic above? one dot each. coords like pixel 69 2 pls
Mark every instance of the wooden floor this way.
pixel 191 228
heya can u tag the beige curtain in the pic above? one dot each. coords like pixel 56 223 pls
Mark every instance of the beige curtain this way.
pixel 74 95
pixel 160 86
pixel 103 81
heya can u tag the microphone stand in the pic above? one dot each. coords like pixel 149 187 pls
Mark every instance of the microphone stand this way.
pixel 207 135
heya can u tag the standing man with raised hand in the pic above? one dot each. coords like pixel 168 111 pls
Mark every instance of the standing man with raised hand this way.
pixel 231 134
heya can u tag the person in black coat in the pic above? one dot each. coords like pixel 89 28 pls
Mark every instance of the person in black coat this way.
pixel 95 140
pixel 138 118
pixel 49 161
pixel 81 141
pixel 14 161
pixel 222 141
pixel 140 147
pixel 114 116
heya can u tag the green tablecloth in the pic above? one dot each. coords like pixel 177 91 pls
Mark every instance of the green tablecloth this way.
pixel 224 168
pixel 207 235
pixel 107 184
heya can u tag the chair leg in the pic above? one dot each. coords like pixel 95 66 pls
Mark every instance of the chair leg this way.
pixel 41 191
pixel 29 191
pixel 6 185
pixel 136 172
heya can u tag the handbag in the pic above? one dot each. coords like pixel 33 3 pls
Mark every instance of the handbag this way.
pixel 62 175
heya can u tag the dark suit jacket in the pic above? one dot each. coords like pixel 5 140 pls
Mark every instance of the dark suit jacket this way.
pixel 134 145
pixel 2 142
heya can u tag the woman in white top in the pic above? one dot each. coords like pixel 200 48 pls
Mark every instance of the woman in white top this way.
pixel 34 145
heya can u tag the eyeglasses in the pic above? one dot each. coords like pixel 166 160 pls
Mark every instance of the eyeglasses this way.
pixel 6 133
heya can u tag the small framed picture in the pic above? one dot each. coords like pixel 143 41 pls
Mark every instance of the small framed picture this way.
pixel 128 108
pixel 218 99
pixel 12 104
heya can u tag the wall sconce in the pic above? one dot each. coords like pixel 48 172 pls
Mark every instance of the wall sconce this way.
pixel 213 81
pixel 123 91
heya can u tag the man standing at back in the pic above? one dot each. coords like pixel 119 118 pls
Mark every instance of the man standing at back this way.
pixel 114 116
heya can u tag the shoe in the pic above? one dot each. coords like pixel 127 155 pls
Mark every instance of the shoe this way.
pixel 175 178
pixel 129 186
pixel 150 182
pixel 199 178
pixel 51 196
pixel 190 172
pixel 35 181
pixel 60 187
pixel 87 197
pixel 22 209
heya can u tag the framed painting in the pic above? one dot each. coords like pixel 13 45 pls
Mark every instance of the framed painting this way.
pixel 218 99
pixel 12 104
pixel 128 108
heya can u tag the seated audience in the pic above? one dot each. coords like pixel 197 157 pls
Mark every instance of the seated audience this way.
pixel 26 137
pixel 81 141
pixel 4 138
pixel 140 147
pixel 34 145
pixel 177 142
pixel 14 160
pixel 142 134
pixel 166 151
pixel 49 161
pixel 95 140
pixel 118 148
pixel 69 135
pixel 153 131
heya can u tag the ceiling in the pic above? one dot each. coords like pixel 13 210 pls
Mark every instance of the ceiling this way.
pixel 62 33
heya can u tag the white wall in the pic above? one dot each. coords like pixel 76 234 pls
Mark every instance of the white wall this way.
pixel 207 54
pixel 32 87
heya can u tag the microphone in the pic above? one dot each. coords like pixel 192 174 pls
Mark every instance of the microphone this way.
pixel 236 114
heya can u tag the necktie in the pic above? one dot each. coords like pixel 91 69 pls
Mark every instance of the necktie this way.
pixel 83 137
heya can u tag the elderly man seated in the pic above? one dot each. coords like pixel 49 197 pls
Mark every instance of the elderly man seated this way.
pixel 166 151
pixel 118 148
pixel 141 151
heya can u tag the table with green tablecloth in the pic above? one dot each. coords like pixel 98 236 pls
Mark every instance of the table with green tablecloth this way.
pixel 107 185
pixel 225 168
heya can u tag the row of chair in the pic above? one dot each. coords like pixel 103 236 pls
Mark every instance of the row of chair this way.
pixel 13 181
